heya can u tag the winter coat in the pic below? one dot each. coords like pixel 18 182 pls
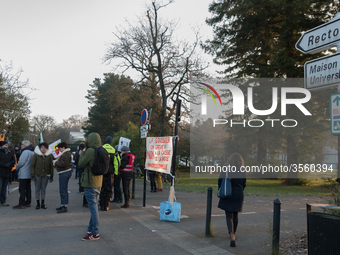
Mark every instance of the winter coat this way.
pixel 114 160
pixel 63 164
pixel 42 165
pixel 7 161
pixel 24 164
pixel 235 202
pixel 86 160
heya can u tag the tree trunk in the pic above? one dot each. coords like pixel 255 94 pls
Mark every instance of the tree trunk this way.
pixel 292 159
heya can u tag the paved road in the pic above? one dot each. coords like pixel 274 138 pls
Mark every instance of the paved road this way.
pixel 138 230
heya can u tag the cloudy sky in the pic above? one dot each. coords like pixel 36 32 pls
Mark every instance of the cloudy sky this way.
pixel 60 45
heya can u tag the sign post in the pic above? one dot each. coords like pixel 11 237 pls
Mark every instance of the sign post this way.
pixel 144 120
pixel 335 113
pixel 324 72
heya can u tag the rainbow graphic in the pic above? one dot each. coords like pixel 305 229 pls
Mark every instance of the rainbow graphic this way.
pixel 209 93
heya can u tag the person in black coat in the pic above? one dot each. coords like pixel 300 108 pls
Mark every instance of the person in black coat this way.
pixel 233 205
pixel 7 161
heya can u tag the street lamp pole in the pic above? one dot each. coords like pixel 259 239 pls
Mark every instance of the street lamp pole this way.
pixel 133 173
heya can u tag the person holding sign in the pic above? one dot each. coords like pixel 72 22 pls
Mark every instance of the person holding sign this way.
pixel 126 169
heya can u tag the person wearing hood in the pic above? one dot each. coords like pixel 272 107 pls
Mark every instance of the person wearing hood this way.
pixel 7 161
pixel 92 184
pixel 41 172
pixel 24 175
pixel 63 165
pixel 126 170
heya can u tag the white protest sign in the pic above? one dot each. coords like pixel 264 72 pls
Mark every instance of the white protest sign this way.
pixel 159 154
pixel 123 142
pixel 55 151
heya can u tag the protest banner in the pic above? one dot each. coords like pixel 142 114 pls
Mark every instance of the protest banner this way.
pixel 123 142
pixel 55 151
pixel 159 154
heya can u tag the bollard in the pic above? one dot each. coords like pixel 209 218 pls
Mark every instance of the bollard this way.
pixel 276 227
pixel 133 184
pixel 208 217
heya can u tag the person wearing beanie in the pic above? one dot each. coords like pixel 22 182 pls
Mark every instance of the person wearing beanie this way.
pixel 108 178
pixel 7 161
pixel 117 191
pixel 24 175
pixel 126 170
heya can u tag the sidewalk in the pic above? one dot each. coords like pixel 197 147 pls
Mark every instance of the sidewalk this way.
pixel 137 230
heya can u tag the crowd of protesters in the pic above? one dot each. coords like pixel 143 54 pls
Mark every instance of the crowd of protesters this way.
pixel 26 164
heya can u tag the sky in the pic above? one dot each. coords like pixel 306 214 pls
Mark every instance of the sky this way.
pixel 60 45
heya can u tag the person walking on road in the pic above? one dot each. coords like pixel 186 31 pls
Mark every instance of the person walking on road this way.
pixel 63 165
pixel 7 161
pixel 41 172
pixel 92 184
pixel 233 205
pixel 24 175
pixel 126 170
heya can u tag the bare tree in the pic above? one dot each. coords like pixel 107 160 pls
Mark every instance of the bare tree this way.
pixel 14 102
pixel 164 64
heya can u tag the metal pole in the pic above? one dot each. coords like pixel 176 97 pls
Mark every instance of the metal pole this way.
pixel 338 174
pixel 208 216
pixel 276 226
pixel 133 196
pixel 309 209
pixel 133 185
pixel 178 118
pixel 144 188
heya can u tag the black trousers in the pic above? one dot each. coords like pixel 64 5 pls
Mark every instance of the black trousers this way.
pixel 25 191
pixel 152 175
pixel 116 188
pixel 126 179
pixel 106 190
pixel 232 221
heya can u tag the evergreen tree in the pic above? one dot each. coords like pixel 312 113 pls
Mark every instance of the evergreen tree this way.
pixel 257 39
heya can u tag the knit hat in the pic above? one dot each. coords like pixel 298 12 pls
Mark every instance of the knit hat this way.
pixel 125 148
pixel 108 140
pixel 2 143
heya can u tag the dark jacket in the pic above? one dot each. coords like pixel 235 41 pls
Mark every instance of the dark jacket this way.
pixel 235 202
pixel 63 164
pixel 86 160
pixel 42 165
pixel 7 161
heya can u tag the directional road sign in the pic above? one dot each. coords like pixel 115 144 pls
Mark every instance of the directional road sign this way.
pixel 335 114
pixel 322 72
pixel 320 38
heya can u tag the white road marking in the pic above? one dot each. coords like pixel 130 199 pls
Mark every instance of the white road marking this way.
pixel 248 212
pixel 11 190
pixel 156 207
